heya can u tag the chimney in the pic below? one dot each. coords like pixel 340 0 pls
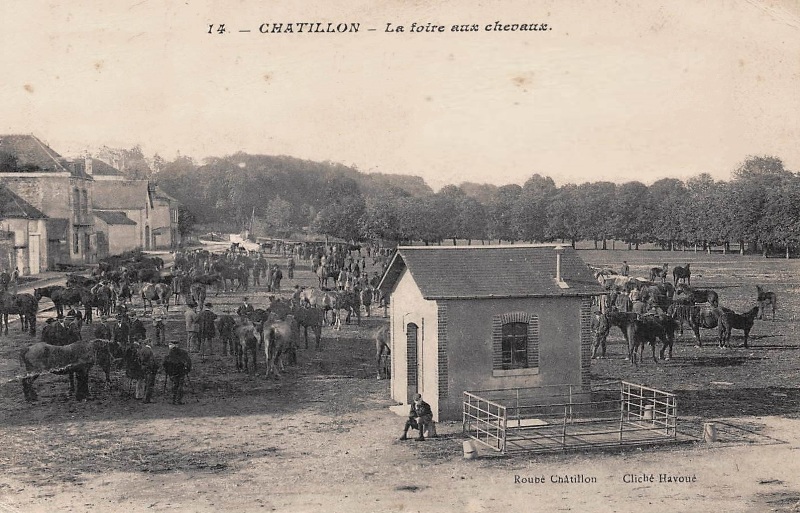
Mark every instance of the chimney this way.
pixel 88 165
pixel 559 281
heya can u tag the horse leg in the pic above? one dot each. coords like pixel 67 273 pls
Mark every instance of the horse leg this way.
pixel 27 388
pixel 72 383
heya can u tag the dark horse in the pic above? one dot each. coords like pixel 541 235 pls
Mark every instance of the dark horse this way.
pixel 728 321
pixel 766 299
pixel 55 293
pixel 648 328
pixel 696 316
pixel 659 272
pixel 698 295
pixel 682 273
pixel 25 305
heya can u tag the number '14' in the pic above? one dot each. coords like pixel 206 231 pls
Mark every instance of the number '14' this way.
pixel 220 29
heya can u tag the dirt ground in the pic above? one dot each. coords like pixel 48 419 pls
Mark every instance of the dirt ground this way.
pixel 321 438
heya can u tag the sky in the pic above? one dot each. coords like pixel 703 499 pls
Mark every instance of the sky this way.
pixel 613 90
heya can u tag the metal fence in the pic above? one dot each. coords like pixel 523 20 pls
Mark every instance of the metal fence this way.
pixel 562 417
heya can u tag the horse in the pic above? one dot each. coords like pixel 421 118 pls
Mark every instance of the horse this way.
pixel 604 325
pixel 698 295
pixel 729 320
pixel 246 344
pixel 282 337
pixel 78 358
pixel 324 273
pixel 681 274
pixel 766 299
pixel 307 317
pixel 383 352
pixel 696 316
pixel 659 272
pixel 24 305
pixel 197 294
pixel 103 298
pixel 648 328
pixel 159 292
pixel 53 292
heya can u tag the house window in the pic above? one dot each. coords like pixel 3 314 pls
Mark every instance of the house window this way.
pixel 76 200
pixel 515 344
pixel 75 242
pixel 85 202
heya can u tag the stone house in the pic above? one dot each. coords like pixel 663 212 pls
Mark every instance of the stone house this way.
pixel 56 187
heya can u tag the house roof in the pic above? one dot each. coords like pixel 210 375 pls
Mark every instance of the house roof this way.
pixel 159 193
pixel 31 154
pixel 14 207
pixel 57 228
pixel 120 194
pixel 100 168
pixel 482 272
pixel 112 217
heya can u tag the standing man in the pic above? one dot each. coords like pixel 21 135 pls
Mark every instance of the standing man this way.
pixel 207 331
pixel 15 278
pixel 177 366
pixel 625 269
pixel 290 267
pixel 159 315
pixel 192 329
pixel 277 276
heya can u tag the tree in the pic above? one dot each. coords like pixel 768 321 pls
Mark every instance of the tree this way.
pixel 503 213
pixel 532 207
pixel 667 200
pixel 594 213
pixel 562 215
pixel 629 212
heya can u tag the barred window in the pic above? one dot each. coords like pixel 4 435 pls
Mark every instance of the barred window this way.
pixel 515 345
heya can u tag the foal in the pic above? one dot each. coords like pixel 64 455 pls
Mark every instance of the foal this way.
pixel 766 299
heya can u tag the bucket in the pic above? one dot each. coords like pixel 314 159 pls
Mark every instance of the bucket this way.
pixel 709 432
pixel 469 450
pixel 648 412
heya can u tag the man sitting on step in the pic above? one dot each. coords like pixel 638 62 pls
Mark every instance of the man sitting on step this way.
pixel 420 417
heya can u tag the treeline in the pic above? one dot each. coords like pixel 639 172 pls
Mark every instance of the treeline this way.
pixel 758 209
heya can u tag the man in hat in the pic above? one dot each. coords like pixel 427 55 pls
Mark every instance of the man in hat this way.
pixel 207 331
pixel 192 329
pixel 159 314
pixel 137 330
pixel 177 366
pixel 276 279
pixel 419 417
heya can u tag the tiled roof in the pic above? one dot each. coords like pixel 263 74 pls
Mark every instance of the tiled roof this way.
pixel 453 272
pixel 120 194
pixel 57 228
pixel 31 154
pixel 113 217
pixel 101 168
pixel 14 207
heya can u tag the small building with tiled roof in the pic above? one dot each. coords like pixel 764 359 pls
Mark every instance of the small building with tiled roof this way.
pixel 116 232
pixel 141 201
pixel 487 317
pixel 23 234
pixel 59 188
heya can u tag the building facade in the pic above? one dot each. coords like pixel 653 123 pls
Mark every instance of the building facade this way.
pixel 58 188
pixel 466 318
